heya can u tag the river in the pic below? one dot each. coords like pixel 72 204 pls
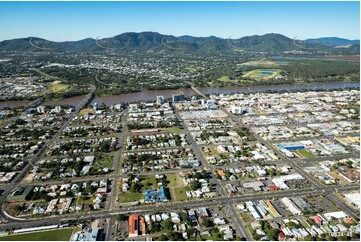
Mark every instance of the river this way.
pixel 152 95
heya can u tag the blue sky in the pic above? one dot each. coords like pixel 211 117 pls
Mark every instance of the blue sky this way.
pixel 61 21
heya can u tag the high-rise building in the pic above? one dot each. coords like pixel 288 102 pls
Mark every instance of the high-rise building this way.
pixel 236 109
pixel 178 98
pixel 160 100
pixel 95 106
pixel 40 109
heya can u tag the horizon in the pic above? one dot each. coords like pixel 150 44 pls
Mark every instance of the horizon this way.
pixel 71 21
pixel 177 36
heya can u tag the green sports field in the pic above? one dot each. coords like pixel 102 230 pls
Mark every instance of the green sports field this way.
pixel 263 74
pixel 56 235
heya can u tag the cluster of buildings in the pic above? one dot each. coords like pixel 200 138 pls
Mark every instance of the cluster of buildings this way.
pixel 60 199
pixel 260 209
pixel 156 141
pixel 311 148
pixel 20 87
pixel 149 115
pixel 182 222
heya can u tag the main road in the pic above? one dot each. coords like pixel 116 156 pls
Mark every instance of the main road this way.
pixel 174 206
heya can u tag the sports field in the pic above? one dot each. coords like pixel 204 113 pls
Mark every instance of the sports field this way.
pixel 55 235
pixel 263 74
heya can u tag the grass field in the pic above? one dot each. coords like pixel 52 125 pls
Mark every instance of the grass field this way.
pixel 103 161
pixel 58 87
pixel 226 79
pixel 180 193
pixel 304 153
pixel 130 197
pixel 263 63
pixel 85 111
pixel 85 200
pixel 258 75
pixel 55 235
pixel 173 129
pixel 190 69
pixel 173 180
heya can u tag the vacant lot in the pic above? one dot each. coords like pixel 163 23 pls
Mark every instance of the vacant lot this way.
pixel 304 153
pixel 55 235
pixel 58 87
pixel 263 63
pixel 85 111
pixel 226 79
pixel 180 193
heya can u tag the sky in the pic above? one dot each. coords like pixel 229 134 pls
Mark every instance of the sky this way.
pixel 62 21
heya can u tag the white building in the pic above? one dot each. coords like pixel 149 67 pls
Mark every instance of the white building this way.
pixel 291 206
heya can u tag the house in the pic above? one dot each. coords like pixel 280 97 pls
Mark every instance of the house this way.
pixel 102 190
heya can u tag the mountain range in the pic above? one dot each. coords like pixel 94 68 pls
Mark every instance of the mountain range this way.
pixel 271 43
pixel 333 41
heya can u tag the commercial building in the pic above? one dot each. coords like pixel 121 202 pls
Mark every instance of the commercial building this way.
pixel 20 194
pixel 354 198
pixel 136 226
pixel 156 195
pixel 89 235
pixel 291 206
pixel 272 210
pixel 291 145
pixel 160 100
pixel 236 109
pixel 178 98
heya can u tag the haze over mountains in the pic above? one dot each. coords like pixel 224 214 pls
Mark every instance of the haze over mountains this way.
pixel 272 43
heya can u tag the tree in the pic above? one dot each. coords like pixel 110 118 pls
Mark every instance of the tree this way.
pixel 272 172
pixel 19 208
pixel 308 238
pixel 121 217
pixel 207 223
pixel 194 185
pixel 162 237
pixel 292 225
pixel 174 236
pixel 155 227
pixel 272 234
pixel 167 224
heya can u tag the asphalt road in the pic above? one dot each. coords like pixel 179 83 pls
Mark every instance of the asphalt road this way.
pixel 171 206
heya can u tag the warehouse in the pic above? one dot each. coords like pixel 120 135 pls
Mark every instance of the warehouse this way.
pixel 354 198
pixel 291 206
pixel 291 145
